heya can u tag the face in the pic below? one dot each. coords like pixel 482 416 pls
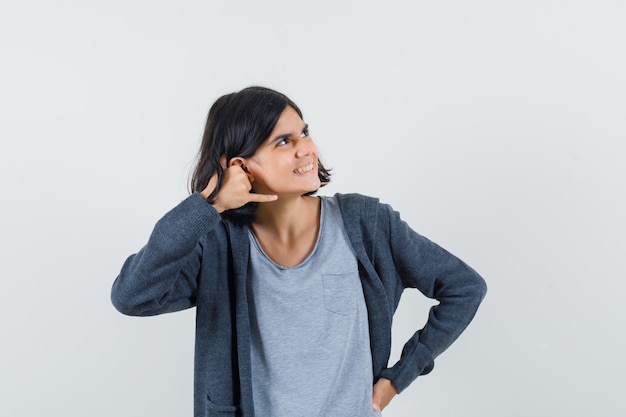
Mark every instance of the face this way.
pixel 286 163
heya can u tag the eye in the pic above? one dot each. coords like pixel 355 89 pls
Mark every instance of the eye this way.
pixel 282 142
pixel 305 132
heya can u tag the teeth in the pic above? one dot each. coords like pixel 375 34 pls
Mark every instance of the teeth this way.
pixel 304 169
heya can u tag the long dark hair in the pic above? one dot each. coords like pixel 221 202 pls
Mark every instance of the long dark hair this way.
pixel 237 124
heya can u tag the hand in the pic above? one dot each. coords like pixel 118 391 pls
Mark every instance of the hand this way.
pixel 235 191
pixel 383 393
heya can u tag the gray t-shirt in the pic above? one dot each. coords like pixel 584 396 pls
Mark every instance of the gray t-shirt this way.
pixel 310 340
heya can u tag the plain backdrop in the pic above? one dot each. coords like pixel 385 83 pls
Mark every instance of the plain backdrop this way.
pixel 496 128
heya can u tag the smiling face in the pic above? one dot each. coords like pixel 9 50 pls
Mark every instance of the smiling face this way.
pixel 286 163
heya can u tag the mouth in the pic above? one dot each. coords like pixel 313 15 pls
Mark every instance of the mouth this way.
pixel 305 169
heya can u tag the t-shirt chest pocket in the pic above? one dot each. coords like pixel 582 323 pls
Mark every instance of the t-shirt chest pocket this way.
pixel 340 292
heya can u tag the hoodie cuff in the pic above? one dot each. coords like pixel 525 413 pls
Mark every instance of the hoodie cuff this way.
pixel 413 364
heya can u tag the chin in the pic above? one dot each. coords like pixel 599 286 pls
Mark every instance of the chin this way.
pixel 314 188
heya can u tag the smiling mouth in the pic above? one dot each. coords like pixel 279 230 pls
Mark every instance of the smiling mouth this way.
pixel 304 169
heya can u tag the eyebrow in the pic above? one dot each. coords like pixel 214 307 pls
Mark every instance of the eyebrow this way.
pixel 288 135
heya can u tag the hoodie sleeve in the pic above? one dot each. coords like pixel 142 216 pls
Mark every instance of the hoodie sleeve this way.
pixel 422 264
pixel 162 276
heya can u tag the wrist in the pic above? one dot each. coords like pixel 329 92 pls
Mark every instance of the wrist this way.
pixel 216 205
pixel 212 201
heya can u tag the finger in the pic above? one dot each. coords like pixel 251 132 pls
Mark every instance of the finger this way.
pixel 235 175
pixel 262 198
pixel 239 162
pixel 238 171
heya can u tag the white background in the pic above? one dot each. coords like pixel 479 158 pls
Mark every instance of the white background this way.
pixel 495 127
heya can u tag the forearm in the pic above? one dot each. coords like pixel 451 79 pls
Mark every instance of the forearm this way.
pixel 442 276
pixel 161 276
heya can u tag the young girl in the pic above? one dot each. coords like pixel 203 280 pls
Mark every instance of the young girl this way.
pixel 294 293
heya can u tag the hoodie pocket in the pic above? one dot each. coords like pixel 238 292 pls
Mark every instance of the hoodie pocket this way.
pixel 219 410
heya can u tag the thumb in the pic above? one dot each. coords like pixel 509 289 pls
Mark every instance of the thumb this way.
pixel 376 402
pixel 210 186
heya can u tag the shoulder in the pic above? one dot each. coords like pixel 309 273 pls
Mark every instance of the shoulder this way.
pixel 362 206
pixel 351 204
pixel 363 213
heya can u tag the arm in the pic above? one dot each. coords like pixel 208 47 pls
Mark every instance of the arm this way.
pixel 161 277
pixel 438 274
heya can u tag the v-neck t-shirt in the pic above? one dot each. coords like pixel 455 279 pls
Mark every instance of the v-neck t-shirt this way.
pixel 310 350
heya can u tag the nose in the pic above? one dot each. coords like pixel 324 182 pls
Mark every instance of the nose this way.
pixel 305 146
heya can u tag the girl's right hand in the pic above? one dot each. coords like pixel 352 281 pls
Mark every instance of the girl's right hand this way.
pixel 235 191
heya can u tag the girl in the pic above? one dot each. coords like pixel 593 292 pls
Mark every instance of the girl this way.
pixel 294 293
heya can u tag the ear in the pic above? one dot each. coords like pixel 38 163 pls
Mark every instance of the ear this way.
pixel 241 162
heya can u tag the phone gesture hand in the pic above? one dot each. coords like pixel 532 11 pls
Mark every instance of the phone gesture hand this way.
pixel 235 191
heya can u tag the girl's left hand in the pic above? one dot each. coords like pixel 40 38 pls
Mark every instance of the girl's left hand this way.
pixel 383 393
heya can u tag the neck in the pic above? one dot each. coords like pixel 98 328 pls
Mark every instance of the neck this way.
pixel 287 219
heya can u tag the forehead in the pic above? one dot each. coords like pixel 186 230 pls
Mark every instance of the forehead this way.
pixel 288 122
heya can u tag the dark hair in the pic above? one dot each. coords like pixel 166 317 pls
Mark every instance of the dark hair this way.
pixel 237 124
